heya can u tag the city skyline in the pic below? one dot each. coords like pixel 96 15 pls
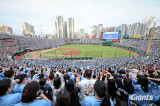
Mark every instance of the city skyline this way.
pixel 85 13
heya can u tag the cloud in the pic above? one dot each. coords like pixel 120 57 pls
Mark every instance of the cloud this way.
pixel 86 13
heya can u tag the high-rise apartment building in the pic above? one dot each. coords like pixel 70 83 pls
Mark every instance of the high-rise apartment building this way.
pixel 100 29
pixel 6 29
pixel 70 28
pixel 106 29
pixel 59 27
pixel 65 30
pixel 80 33
pixel 156 32
pixel 96 30
pixel 136 29
pixel 93 30
pixel 128 30
pixel 27 29
pixel 122 28
pixel 143 30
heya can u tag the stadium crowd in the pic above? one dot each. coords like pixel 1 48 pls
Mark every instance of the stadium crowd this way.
pixel 120 81
pixel 140 44
pixel 10 44
pixel 85 41
pixel 130 84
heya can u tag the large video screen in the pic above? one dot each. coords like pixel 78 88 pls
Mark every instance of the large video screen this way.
pixel 111 35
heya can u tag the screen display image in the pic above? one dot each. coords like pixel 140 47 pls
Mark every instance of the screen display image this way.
pixel 111 35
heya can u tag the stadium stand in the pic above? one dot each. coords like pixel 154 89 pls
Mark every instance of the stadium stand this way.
pixel 120 81
pixel 86 41
pixel 12 44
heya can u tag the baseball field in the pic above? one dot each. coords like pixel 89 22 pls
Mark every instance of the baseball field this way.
pixel 79 51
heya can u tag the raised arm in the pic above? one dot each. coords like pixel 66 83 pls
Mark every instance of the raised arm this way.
pixel 3 70
pixel 77 79
pixel 61 76
pixel 154 79
pixel 156 72
pixel 83 72
pixel 101 76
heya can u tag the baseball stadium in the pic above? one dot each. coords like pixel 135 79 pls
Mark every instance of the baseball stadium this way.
pixel 114 62
pixel 104 64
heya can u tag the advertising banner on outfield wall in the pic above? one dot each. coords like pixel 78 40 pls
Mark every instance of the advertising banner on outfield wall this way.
pixel 93 36
pixel 97 36
pixel 116 40
pixel 101 35
pixel 108 39
pixel 86 36
pixel 137 36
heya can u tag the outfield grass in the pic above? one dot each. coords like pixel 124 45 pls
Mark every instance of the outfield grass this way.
pixel 57 52
pixel 28 55
pixel 48 56
pixel 45 56
pixel 43 51
pixel 99 51
pixel 85 51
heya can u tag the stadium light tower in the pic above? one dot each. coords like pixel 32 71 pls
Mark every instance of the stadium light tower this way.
pixel 41 29
pixel 148 21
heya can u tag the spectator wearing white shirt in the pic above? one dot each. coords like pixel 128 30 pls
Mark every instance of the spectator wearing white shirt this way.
pixel 88 82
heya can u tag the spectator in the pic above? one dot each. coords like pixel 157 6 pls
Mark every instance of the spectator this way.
pixel 7 99
pixel 30 96
pixel 9 74
pixel 73 91
pixel 51 78
pixel 63 98
pixel 155 89
pixel 111 88
pixel 66 78
pixel 21 84
pixel 142 89
pixel 47 91
pixel 85 83
pixel 124 89
pixel 101 97
pixel 57 86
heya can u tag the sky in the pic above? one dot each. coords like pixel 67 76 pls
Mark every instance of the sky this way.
pixel 86 13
